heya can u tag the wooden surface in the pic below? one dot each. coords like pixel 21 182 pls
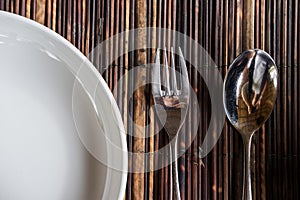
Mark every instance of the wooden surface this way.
pixel 219 26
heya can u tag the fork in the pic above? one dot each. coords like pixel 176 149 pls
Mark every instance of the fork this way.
pixel 170 105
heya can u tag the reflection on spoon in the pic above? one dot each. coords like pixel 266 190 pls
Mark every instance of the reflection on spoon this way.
pixel 250 90
pixel 249 95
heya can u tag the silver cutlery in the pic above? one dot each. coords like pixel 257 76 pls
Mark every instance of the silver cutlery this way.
pixel 249 95
pixel 170 91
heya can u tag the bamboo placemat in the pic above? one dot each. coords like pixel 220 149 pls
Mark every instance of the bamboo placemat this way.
pixel 220 27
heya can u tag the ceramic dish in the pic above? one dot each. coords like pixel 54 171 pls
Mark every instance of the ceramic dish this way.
pixel 61 134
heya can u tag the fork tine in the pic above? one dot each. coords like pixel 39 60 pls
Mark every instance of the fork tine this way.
pixel 184 74
pixel 156 84
pixel 167 80
pixel 173 74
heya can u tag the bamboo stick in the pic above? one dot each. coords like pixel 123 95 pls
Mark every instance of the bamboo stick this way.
pixel 233 28
pixel 17 6
pixel 205 186
pixel 289 35
pixel 2 5
pixel 182 138
pixel 297 38
pixel 126 41
pixel 248 24
pixel 106 36
pixel 99 38
pixel 152 42
pixel 88 28
pixel 59 17
pixel 125 20
pixel 257 24
pixel 164 23
pixel 7 5
pixel 278 31
pixel 228 59
pixel 117 67
pixel 227 150
pixel 224 64
pixel 221 163
pixel 40 11
pixel 33 12
pixel 159 138
pixel 297 129
pixel 148 130
pixel 64 18
pixel 214 24
pixel 83 25
pixel 239 20
pixel 153 191
pixel 54 13
pixel 289 88
pixel 200 100
pixel 201 183
pixel 69 20
pixel 211 158
pixel 223 148
pixel 139 118
pixel 12 7
pixel 111 51
pixel 263 24
pixel 211 169
pixel 284 30
pixel 48 13
pixel 259 138
pixel 74 22
pixel 103 30
pixel 168 11
pixel 189 120
pixel 273 30
pixel 194 160
pixel 272 141
pixel 207 161
pixel 270 123
pixel 279 139
pixel 121 71
pixel 79 25
pixel 91 30
pixel 294 37
pixel 295 103
pixel 263 135
pixel 130 24
pixel 23 7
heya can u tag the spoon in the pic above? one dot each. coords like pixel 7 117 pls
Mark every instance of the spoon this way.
pixel 249 94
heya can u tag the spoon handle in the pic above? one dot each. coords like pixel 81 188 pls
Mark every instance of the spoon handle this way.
pixel 247 191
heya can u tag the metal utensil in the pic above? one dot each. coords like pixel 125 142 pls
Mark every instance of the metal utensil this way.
pixel 249 95
pixel 171 105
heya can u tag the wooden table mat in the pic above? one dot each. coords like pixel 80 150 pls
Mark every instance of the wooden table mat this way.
pixel 219 26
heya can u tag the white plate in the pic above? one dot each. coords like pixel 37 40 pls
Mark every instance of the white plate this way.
pixel 61 134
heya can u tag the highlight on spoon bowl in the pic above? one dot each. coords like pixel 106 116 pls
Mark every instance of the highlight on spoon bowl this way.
pixel 250 90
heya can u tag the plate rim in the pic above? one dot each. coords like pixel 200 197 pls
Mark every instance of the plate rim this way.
pixel 85 61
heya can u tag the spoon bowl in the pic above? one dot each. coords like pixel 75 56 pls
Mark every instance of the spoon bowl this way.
pixel 249 95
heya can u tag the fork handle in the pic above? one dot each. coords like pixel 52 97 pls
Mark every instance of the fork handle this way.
pixel 174 183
